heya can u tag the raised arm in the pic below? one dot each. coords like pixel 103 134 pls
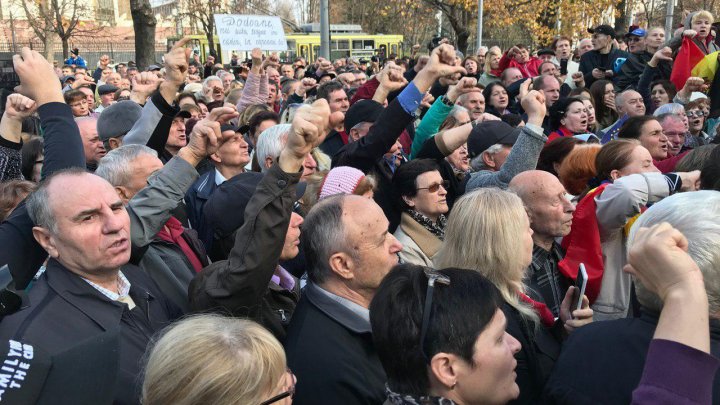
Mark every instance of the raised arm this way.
pixel 238 284
pixel 17 108
pixel 526 151
pixel 62 148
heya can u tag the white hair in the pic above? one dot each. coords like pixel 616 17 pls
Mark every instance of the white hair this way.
pixel 270 143
pixel 477 164
pixel 697 216
pixel 670 108
pixel 116 166
pixel 209 79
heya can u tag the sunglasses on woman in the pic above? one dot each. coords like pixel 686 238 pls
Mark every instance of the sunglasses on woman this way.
pixel 435 187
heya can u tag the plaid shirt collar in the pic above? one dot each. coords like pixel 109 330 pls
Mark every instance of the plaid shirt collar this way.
pixel 123 288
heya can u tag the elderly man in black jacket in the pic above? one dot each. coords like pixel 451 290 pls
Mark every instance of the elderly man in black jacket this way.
pixel 88 287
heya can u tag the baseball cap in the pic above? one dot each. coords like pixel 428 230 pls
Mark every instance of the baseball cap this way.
pixel 489 133
pixel 153 67
pixel 118 119
pixel 603 29
pixel 362 111
pixel 636 32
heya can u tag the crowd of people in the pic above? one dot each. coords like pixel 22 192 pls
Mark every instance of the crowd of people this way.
pixel 407 230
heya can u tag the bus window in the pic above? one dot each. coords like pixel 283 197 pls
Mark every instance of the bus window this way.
pixel 357 45
pixel 315 53
pixel 393 49
pixel 304 51
pixel 369 44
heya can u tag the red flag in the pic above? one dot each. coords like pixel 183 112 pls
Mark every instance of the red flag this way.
pixel 582 245
pixel 686 59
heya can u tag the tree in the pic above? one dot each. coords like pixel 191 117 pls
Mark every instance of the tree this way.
pixel 59 18
pixel 462 16
pixel 203 12
pixel 144 24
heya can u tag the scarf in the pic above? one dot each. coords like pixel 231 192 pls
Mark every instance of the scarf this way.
pixel 400 399
pixel 546 316
pixel 173 234
pixel 436 228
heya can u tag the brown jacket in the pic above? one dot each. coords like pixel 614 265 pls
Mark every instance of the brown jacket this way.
pixel 419 244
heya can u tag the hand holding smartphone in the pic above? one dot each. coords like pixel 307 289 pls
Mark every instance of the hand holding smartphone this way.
pixel 579 291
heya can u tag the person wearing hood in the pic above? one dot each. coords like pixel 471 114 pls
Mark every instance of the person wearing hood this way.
pixel 698 28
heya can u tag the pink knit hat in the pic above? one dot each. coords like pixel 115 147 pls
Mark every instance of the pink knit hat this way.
pixel 340 180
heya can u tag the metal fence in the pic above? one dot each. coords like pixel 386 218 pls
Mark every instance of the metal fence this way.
pixel 90 51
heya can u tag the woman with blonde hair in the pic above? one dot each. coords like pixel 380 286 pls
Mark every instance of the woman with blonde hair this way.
pixel 492 68
pixel 211 359
pixel 497 221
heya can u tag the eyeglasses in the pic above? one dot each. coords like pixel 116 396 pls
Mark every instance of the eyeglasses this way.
pixel 433 277
pixel 698 114
pixel 289 393
pixel 634 39
pixel 435 187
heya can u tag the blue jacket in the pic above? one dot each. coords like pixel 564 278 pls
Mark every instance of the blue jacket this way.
pixel 195 200
pixel 78 61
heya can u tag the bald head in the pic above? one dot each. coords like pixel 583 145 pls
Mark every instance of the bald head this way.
pixel 549 210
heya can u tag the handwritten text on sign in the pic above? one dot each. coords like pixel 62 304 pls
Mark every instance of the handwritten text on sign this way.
pixel 245 32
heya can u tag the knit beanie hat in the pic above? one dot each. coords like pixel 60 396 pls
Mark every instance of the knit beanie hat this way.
pixel 340 180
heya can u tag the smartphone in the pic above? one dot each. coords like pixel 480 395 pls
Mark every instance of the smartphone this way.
pixel 580 284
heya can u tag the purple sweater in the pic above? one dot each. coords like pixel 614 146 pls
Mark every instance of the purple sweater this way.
pixel 676 374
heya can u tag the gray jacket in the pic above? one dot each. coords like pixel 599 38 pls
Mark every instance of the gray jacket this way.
pixel 617 204
pixel 523 157
pixel 149 210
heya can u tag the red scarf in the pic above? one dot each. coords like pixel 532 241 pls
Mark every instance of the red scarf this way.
pixel 172 233
pixel 546 316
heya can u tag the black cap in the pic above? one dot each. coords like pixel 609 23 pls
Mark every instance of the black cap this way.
pixel 489 133
pixel 362 111
pixel 106 89
pixel 603 29
pixel 66 79
pixel 153 67
pixel 75 51
pixel 183 114
pixel 546 51
pixel 80 374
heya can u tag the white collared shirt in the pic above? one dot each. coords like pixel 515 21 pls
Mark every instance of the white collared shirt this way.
pixel 219 178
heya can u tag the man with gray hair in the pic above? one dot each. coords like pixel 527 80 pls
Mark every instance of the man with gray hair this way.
pixel 329 344
pixel 617 349
pixel 89 285
pixel 629 103
pixel 271 144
